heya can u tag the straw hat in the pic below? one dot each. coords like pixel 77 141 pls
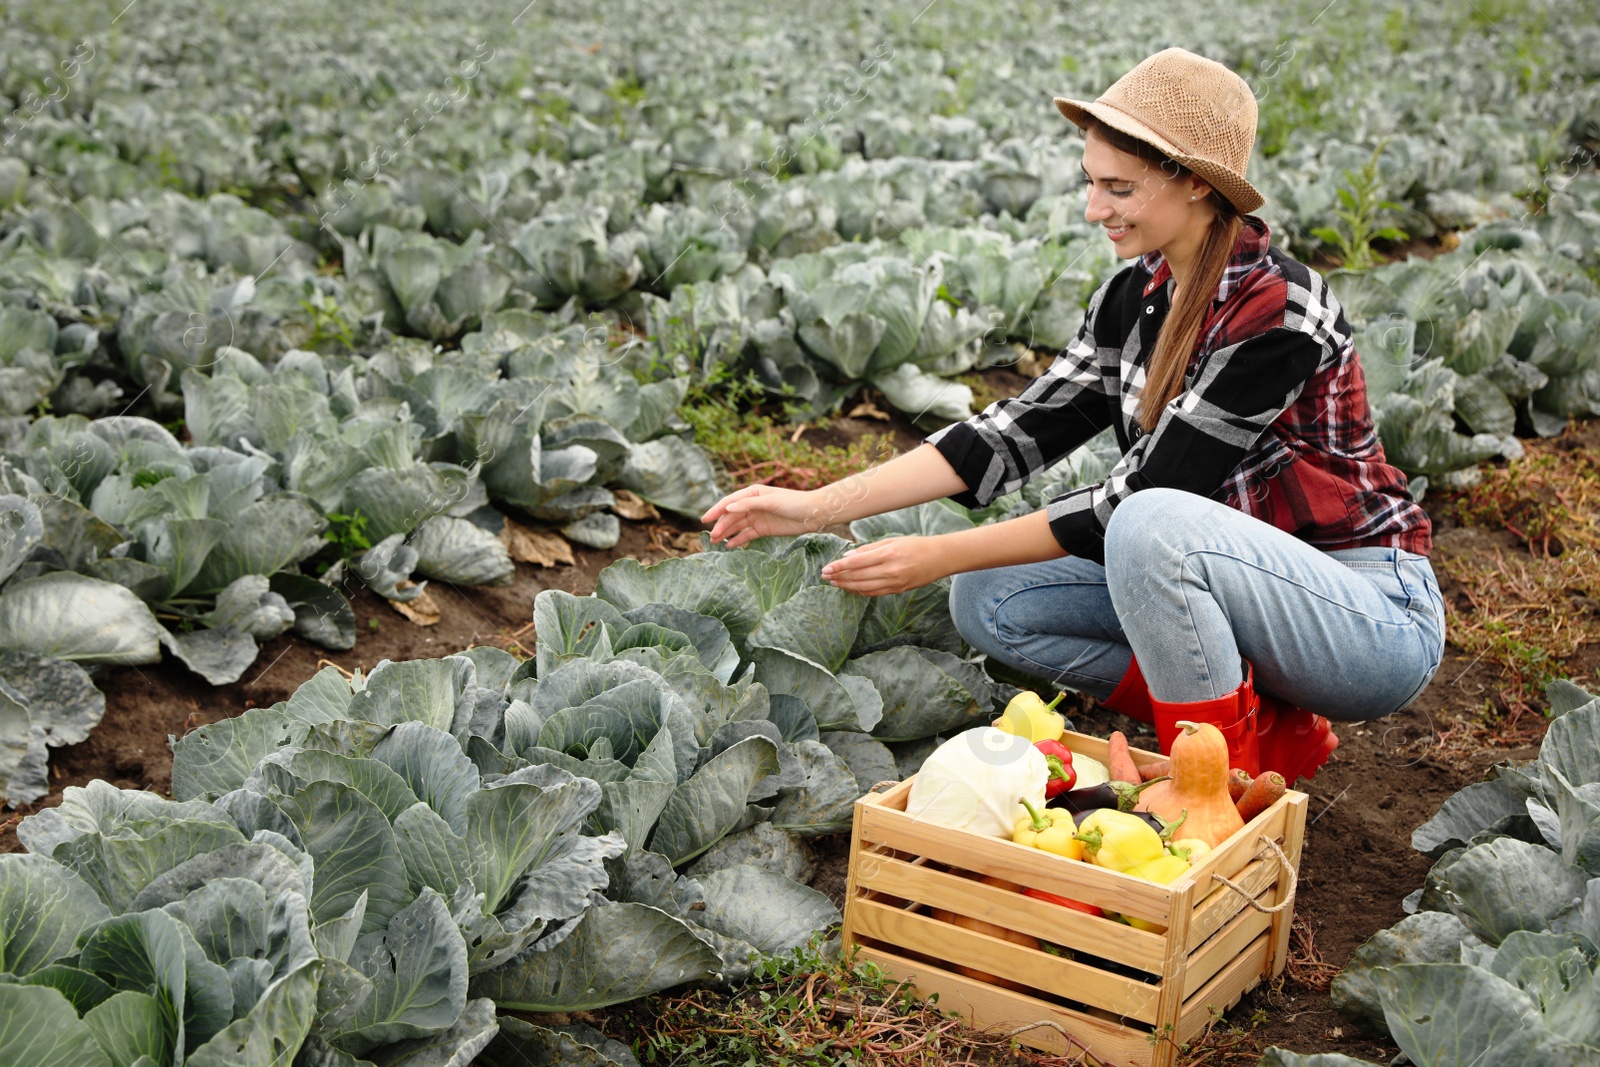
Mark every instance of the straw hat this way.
pixel 1195 110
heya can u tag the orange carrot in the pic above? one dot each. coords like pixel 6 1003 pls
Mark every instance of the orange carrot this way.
pixel 1262 794
pixel 1119 761
pixel 1158 769
pixel 1238 782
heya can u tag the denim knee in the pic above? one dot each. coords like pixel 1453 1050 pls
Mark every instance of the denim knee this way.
pixel 971 611
pixel 1150 524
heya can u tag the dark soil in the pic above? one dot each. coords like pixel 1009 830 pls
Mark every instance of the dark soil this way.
pixel 1386 778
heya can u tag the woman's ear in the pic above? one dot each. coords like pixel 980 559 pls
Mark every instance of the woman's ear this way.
pixel 1199 190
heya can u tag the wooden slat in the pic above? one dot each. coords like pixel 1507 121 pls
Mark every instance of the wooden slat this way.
pixel 1222 949
pixel 1026 866
pixel 987 1008
pixel 1222 904
pixel 1244 847
pixel 1224 990
pixel 1294 836
pixel 850 892
pixel 1099 748
pixel 894 798
pixel 1170 1002
pixel 1033 968
pixel 1003 907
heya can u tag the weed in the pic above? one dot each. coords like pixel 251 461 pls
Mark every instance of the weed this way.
pixel 805 1010
pixel 1547 500
pixel 1398 30
pixel 963 92
pixel 757 450
pixel 1306 963
pixel 731 423
pixel 626 90
pixel 1529 48
pixel 348 532
pixel 345 536
pixel 1293 104
pixel 329 327
pixel 1529 613
pixel 984 392
pixel 1222 1042
pixel 1361 201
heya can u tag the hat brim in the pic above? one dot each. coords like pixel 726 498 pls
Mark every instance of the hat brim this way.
pixel 1238 191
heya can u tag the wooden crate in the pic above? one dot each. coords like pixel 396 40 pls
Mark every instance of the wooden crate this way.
pixel 1124 996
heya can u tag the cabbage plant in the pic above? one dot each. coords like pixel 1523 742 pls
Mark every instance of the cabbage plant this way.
pixel 397 855
pixel 1477 973
pixel 874 317
pixel 128 515
pixel 430 287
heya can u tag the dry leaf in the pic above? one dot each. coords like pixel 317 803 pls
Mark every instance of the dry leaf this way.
pixel 1033 364
pixel 633 507
pixel 539 547
pixel 675 542
pixel 424 610
pixel 868 410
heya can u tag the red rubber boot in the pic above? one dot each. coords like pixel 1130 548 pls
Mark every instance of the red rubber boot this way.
pixel 1293 741
pixel 1131 696
pixel 1232 713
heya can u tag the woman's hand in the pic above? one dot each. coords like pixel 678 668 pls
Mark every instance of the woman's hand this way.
pixel 918 476
pixel 891 565
pixel 762 511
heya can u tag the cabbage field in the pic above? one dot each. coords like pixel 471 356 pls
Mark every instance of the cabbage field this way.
pixel 302 303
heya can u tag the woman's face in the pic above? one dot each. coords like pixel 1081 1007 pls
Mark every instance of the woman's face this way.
pixel 1141 208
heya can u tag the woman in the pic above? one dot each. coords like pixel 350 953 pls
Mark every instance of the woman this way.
pixel 1251 561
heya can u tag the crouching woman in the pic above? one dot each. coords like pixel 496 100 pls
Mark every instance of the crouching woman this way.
pixel 1252 560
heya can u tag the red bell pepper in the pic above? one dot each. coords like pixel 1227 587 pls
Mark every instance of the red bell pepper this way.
pixel 1065 902
pixel 1059 758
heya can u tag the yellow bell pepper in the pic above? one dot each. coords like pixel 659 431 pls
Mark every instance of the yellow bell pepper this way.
pixel 1050 830
pixel 1119 839
pixel 1027 715
pixel 1163 870
pixel 1190 848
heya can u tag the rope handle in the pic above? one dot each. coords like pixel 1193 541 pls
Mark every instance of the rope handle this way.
pixel 884 786
pixel 1288 868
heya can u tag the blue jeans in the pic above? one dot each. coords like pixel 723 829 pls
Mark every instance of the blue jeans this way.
pixel 1192 587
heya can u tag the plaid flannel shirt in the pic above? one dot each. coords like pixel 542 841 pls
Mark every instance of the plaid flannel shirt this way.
pixel 1273 419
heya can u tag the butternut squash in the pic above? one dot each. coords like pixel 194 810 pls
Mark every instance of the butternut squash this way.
pixel 1199 786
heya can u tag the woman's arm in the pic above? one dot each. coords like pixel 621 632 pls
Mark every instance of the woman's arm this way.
pixel 990 454
pixel 918 476
pixel 896 564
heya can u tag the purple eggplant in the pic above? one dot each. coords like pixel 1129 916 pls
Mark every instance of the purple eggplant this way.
pixel 1121 796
